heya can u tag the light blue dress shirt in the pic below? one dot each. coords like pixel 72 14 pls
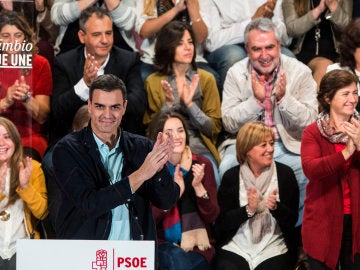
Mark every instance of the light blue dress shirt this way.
pixel 113 162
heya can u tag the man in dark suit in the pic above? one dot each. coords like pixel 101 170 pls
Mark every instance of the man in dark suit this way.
pixel 75 70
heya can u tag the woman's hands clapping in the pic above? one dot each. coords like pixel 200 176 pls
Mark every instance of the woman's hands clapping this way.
pixel 18 91
pixel 323 5
pixel 25 172
pixel 352 129
pixel 186 91
pixel 169 93
pixel 253 199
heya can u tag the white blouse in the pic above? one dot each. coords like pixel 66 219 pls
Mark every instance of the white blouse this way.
pixel 272 244
pixel 14 228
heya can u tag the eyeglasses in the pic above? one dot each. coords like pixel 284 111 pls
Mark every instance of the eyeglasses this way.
pixel 4 215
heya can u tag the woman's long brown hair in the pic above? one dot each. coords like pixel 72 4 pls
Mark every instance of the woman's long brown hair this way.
pixel 301 7
pixel 15 158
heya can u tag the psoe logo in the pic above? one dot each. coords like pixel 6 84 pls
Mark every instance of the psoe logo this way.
pixel 100 262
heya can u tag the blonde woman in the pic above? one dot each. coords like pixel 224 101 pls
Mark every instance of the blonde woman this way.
pixel 23 194
pixel 258 202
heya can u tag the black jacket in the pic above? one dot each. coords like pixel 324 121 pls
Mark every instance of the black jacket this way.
pixel 232 215
pixel 69 69
pixel 87 196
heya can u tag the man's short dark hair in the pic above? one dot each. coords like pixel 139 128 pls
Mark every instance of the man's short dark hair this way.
pixel 107 83
pixel 87 13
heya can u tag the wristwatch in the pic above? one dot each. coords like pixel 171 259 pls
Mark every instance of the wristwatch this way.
pixel 249 214
pixel 205 196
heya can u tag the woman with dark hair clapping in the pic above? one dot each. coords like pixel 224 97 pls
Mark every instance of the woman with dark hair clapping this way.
pixel 178 85
pixel 184 234
pixel 330 155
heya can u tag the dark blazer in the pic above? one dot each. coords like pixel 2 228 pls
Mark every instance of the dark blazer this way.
pixel 87 196
pixel 232 215
pixel 68 70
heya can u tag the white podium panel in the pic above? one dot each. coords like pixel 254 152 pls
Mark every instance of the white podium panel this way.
pixel 84 255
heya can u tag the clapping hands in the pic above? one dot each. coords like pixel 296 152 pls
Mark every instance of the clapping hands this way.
pixel 352 129
pixel 18 91
pixel 25 172
pixel 186 91
pixel 91 68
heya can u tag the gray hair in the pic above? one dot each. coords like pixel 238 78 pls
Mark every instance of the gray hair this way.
pixel 263 25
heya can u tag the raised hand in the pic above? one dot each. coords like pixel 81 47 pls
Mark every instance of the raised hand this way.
pixel 198 172
pixel 280 87
pixel 258 86
pixel 25 172
pixel 352 129
pixel 331 5
pixel 271 203
pixel 154 161
pixel 159 155
pixel 253 199
pixel 10 94
pixel 169 93
pixel 319 9
pixel 187 92
pixel 266 10
pixel 18 91
pixel 322 5
pixel 91 68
